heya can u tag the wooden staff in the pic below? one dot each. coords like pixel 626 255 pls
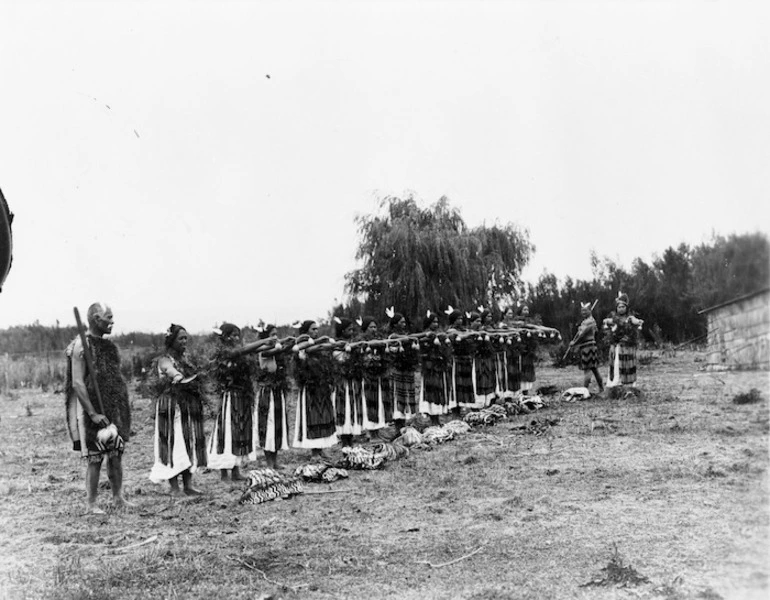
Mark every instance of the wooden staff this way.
pixel 538 329
pixel 409 337
pixel 569 346
pixel 89 359
pixel 695 339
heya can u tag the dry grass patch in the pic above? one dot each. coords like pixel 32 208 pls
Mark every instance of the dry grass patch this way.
pixel 674 479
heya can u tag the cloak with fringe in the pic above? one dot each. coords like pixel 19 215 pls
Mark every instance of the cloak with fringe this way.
pixel 113 388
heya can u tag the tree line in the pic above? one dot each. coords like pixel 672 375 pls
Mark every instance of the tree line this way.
pixel 415 257
pixel 667 293
pixel 45 339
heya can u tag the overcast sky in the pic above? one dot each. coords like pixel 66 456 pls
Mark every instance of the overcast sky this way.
pixel 204 161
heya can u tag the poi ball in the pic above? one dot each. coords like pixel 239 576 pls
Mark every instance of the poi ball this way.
pixel 107 435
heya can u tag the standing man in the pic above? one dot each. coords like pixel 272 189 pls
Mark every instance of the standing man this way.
pixel 85 419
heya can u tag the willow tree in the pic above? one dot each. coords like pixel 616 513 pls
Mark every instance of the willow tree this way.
pixel 417 258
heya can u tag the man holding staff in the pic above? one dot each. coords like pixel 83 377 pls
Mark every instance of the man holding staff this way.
pixel 585 342
pixel 98 412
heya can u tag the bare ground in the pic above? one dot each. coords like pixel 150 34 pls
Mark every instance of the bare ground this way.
pixel 671 486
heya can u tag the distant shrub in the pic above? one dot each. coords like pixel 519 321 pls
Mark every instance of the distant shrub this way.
pixel 752 397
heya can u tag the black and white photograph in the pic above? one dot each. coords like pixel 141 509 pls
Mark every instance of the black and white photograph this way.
pixel 408 299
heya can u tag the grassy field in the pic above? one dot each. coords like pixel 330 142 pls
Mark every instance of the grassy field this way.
pixel 664 495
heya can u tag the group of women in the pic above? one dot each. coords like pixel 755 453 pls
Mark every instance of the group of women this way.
pixel 250 416
pixel 353 384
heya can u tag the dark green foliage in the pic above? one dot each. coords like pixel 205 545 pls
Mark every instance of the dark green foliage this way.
pixel 729 267
pixel 39 339
pixel 352 369
pixel 316 370
pixel 667 294
pixel 36 338
pixel 622 331
pixel 417 258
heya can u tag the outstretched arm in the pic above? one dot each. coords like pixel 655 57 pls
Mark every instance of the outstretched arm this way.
pixel 167 368
pixel 257 346
pixel 305 342
pixel 320 347
pixel 282 345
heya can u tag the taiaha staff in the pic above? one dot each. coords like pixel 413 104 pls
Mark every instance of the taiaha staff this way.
pixel 539 330
pixel 305 342
pixel 452 335
pixel 89 359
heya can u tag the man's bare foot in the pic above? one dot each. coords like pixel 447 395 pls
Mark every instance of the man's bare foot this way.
pixel 191 491
pixel 120 503
pixel 92 509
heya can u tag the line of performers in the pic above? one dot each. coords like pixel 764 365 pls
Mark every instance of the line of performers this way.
pixel 353 384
